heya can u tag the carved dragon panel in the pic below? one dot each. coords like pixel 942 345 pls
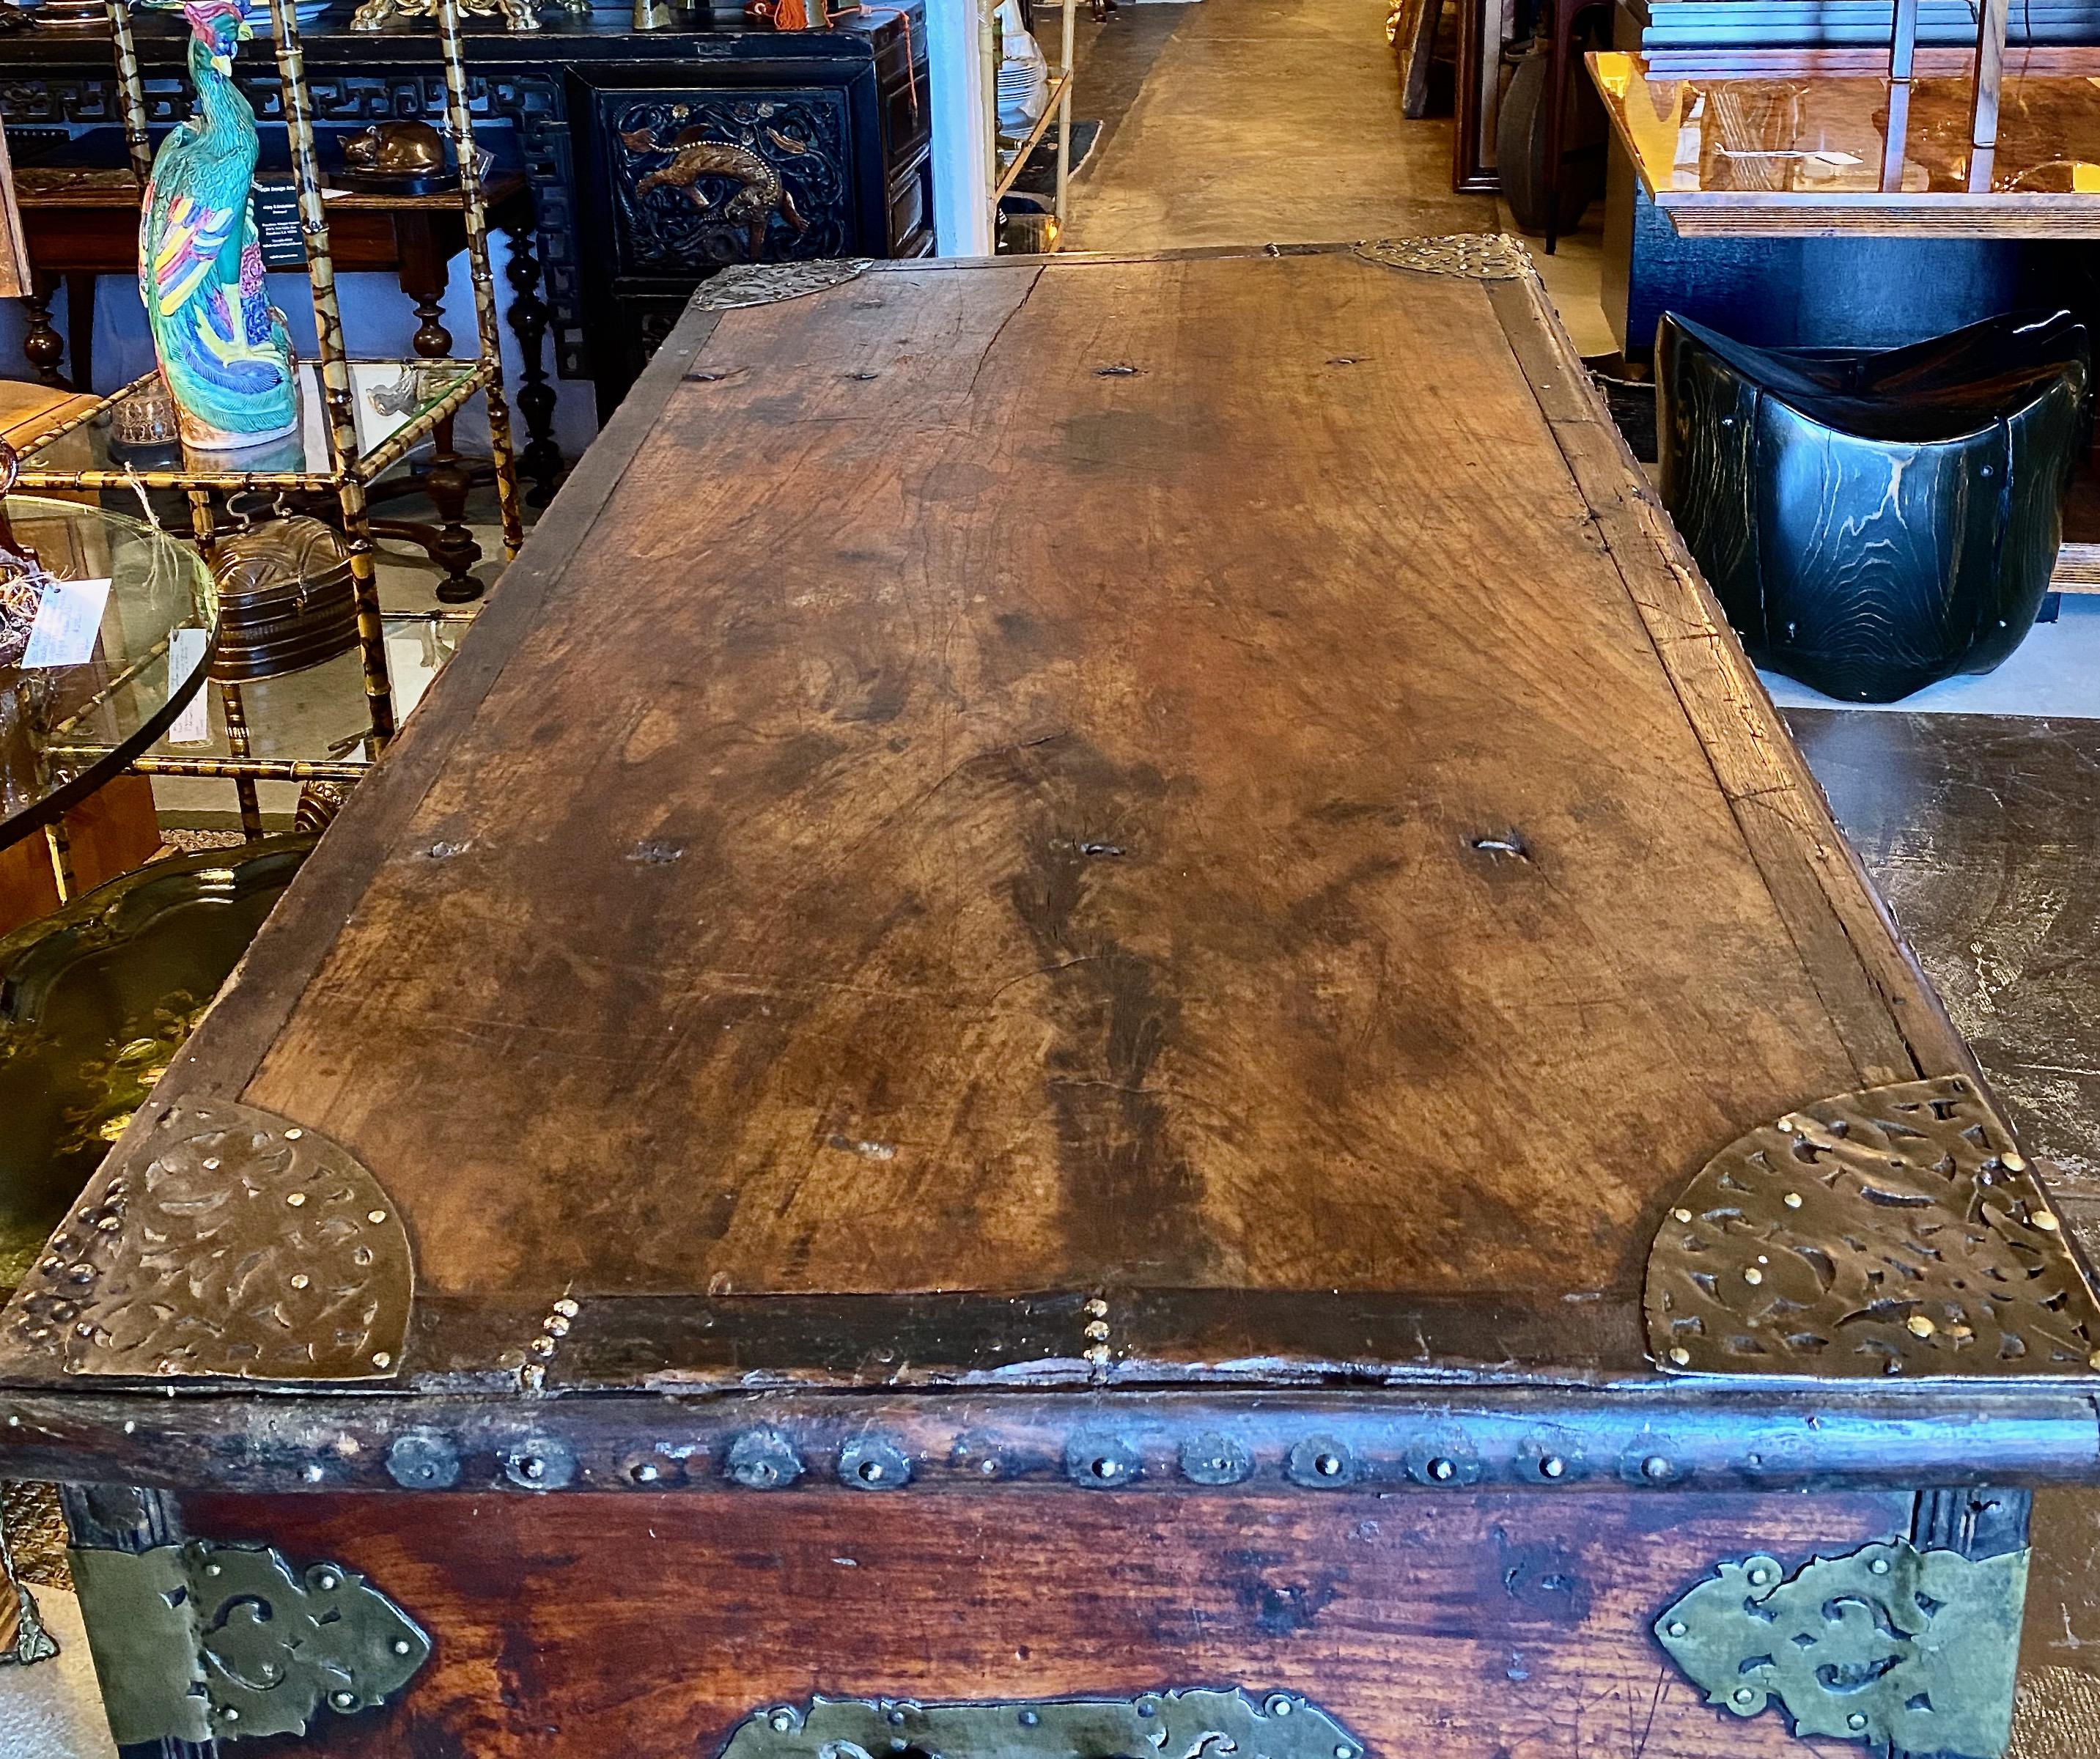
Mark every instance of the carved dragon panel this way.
pixel 701 179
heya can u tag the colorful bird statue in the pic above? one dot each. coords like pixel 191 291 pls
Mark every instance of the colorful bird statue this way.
pixel 224 353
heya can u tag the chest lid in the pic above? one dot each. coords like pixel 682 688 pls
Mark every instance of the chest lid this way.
pixel 1070 823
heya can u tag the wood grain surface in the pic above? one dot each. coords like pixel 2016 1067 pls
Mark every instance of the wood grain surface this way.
pixel 1513 1627
pixel 1203 773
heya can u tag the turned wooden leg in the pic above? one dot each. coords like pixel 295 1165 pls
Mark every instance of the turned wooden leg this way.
pixel 79 329
pixel 448 481
pixel 542 459
pixel 43 348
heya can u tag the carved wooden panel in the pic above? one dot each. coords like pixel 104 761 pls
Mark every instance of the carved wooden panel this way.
pixel 702 178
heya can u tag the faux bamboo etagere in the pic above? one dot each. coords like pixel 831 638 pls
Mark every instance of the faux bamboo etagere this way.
pixel 344 467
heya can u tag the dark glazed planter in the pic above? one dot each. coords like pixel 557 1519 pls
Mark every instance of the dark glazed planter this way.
pixel 1873 521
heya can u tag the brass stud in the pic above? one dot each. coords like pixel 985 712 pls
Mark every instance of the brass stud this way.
pixel 1675 1628
pixel 376 1217
pixel 293 1134
pixel 1751 1274
pixel 343 1701
pixel 1552 1465
pixel 2013 1163
pixel 302 1281
pixel 1760 1576
pixel 1744 1695
pixel 211 1163
pixel 1879 1566
pixel 1442 1470
pixel 1097 1330
pixel 557 1325
pixel 1679 1355
pixel 566 1308
pixel 1680 1215
pixel 1920 1326
pixel 2045 1221
pixel 327 1581
pixel 1857 1720
pixel 296 1199
pixel 380 1359
pixel 402 1646
pixel 543 1346
pixel 1656 1466
pixel 1792 1200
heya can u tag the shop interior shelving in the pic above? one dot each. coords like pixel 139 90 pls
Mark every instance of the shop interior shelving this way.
pixel 328 456
pixel 1010 156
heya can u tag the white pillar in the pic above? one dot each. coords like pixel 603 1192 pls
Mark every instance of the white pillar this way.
pixel 960 97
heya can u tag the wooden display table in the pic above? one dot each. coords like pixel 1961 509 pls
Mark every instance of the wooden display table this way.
pixel 1100 984
pixel 1778 143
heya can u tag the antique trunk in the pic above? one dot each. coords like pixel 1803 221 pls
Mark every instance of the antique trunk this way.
pixel 1098 1019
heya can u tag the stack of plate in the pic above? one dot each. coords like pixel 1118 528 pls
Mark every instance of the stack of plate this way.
pixel 1024 77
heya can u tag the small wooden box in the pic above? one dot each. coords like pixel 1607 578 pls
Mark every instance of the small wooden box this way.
pixel 1099 1019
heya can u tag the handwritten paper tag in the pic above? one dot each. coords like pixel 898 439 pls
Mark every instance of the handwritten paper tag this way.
pixel 185 655
pixel 67 624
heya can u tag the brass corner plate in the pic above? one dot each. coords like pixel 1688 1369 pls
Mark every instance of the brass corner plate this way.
pixel 762 284
pixel 231 1243
pixel 201 1641
pixel 1890 1646
pixel 1893 1231
pixel 1173 1723
pixel 1476 256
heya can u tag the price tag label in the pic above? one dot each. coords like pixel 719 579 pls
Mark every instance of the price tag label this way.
pixel 67 623
pixel 277 228
pixel 185 654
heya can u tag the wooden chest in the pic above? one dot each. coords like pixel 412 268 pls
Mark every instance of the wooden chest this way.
pixel 1098 1021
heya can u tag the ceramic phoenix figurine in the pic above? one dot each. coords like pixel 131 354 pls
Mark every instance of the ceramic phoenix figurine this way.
pixel 224 352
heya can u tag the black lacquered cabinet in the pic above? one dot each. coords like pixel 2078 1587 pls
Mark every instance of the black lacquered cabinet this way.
pixel 811 144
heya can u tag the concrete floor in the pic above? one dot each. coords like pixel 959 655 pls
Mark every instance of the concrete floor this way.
pixel 1268 122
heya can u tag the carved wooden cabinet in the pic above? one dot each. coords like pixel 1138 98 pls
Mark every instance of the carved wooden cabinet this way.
pixel 654 158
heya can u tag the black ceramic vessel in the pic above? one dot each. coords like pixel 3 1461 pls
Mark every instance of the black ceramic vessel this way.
pixel 1875 520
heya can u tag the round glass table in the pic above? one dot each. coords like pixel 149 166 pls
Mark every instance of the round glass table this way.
pixel 104 640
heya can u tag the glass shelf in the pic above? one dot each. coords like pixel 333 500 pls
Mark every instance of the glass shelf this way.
pixel 396 404
pixel 135 670
pixel 309 722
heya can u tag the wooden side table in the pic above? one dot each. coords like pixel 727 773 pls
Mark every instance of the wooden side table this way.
pixel 82 222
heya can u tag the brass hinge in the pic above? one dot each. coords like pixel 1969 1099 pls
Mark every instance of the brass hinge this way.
pixel 201 1641
pixel 1892 1645
pixel 1275 1726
